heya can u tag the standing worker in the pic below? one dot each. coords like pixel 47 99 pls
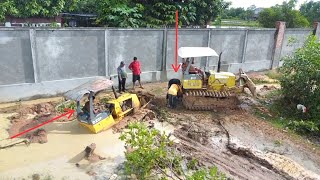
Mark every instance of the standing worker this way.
pixel 174 92
pixel 122 77
pixel 136 71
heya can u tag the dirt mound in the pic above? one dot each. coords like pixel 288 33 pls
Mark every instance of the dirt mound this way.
pixel 38 136
pixel 24 124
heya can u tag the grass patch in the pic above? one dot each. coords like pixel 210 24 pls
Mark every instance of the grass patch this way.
pixel 261 81
pixel 274 74
pixel 157 91
pixel 273 94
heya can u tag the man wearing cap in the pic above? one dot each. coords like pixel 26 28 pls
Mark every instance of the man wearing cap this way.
pixel 122 77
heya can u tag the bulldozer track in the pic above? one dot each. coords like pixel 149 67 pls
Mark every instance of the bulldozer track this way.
pixel 202 100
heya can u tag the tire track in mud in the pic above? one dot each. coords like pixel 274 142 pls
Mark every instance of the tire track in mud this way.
pixel 236 161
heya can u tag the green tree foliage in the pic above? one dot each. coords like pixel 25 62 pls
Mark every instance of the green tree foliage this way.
pixel 311 10
pixel 285 12
pixel 152 151
pixel 233 13
pixel 301 85
pixel 32 8
pixel 207 10
pixel 239 13
pixel 114 13
pixel 7 7
pixel 125 13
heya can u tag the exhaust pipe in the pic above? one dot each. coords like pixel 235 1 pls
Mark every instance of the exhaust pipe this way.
pixel 114 91
pixel 219 62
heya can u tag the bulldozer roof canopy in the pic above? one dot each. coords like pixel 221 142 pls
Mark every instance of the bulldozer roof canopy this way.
pixel 96 85
pixel 187 52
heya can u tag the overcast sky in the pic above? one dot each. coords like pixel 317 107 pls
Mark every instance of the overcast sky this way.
pixel 260 3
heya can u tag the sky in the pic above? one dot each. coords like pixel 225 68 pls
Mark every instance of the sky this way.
pixel 260 3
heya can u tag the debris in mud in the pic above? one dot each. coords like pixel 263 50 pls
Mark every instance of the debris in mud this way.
pixel 90 155
pixel 268 88
pixel 38 136
pixel 35 177
pixel 44 108
pixel 11 144
pixel 140 115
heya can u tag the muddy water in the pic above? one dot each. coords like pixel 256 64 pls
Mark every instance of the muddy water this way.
pixel 57 158
pixel 59 155
pixel 4 125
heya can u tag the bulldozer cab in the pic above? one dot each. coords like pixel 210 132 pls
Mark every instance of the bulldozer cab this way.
pixel 90 89
pixel 193 77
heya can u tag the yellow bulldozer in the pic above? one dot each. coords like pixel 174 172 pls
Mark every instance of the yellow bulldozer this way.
pixel 103 116
pixel 209 89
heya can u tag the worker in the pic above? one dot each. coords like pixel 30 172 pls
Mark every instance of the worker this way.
pixel 122 76
pixel 86 107
pixel 174 92
pixel 173 81
pixel 192 69
pixel 135 67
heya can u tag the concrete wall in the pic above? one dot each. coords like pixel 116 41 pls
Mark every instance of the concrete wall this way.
pixel 45 62
pixel 16 65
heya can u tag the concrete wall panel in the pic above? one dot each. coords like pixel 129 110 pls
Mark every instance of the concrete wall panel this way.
pixel 259 45
pixel 15 58
pixel 230 42
pixel 146 45
pixel 294 39
pixel 70 54
pixel 186 38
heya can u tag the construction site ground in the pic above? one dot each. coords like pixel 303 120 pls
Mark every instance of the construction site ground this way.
pixel 239 143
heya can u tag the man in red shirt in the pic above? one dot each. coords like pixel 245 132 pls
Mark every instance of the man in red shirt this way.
pixel 136 71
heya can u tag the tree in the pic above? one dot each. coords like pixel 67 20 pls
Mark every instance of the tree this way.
pixel 7 7
pixel 285 12
pixel 311 10
pixel 114 13
pixel 83 6
pixel 32 8
pixel 208 10
pixel 239 13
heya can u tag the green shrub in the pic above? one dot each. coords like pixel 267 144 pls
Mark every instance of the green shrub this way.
pixel 304 127
pixel 300 82
pixel 152 151
pixel 71 105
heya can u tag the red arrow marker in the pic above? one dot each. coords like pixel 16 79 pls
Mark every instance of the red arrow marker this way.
pixel 176 66
pixel 69 113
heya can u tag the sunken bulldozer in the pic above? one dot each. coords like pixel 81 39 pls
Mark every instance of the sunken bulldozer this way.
pixel 115 112
pixel 209 89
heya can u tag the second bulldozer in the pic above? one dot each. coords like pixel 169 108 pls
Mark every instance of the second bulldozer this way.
pixel 208 89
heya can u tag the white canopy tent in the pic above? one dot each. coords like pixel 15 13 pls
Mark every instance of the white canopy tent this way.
pixel 187 52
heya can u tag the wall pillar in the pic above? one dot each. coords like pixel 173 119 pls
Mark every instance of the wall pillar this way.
pixel 278 41
pixel 208 45
pixel 163 74
pixel 106 53
pixel 245 42
pixel 33 45
pixel 316 29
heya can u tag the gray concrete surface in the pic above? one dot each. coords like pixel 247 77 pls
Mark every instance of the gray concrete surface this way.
pixel 46 62
pixel 293 39
pixel 146 45
pixel 15 58
pixel 70 54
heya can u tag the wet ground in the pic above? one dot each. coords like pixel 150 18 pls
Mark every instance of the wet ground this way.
pixel 238 143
